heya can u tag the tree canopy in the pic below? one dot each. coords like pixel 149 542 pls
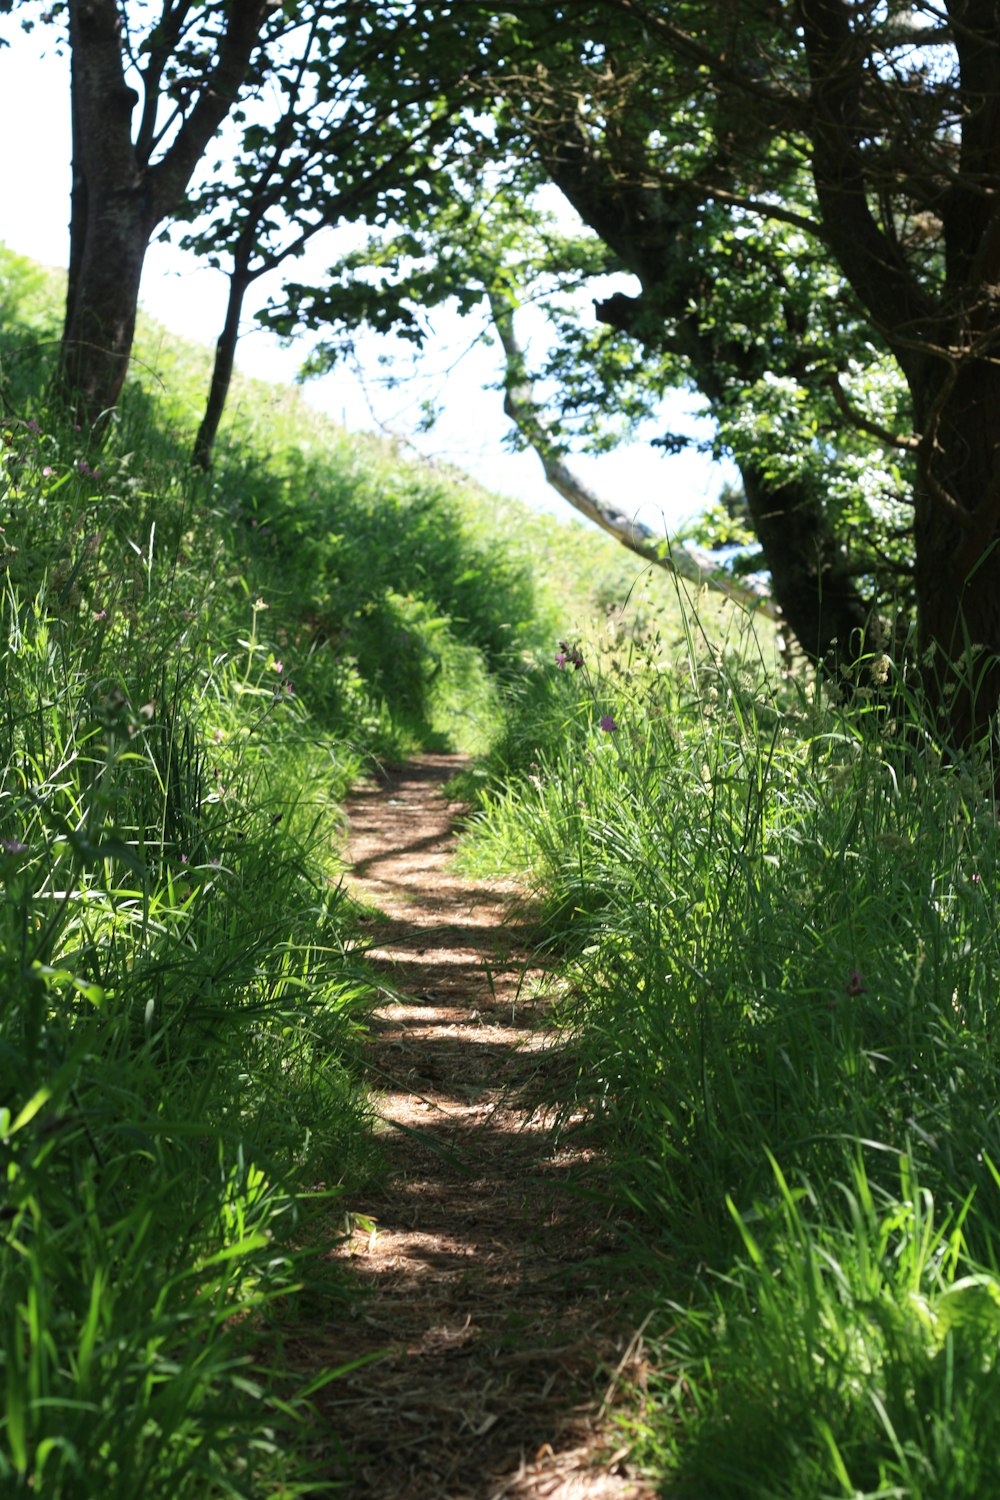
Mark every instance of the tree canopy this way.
pixel 803 195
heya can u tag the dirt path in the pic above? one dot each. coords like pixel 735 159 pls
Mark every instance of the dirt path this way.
pixel 505 1346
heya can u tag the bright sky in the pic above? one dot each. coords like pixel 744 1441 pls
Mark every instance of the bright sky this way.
pixel 455 371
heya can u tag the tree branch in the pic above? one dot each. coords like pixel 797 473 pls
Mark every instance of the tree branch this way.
pixel 522 408
pixel 865 424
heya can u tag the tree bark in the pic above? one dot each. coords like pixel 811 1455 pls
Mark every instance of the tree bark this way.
pixel 946 342
pixel 957 535
pixel 222 371
pixel 118 197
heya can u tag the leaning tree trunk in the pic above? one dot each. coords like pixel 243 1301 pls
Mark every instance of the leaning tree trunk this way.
pixel 523 408
pixel 222 372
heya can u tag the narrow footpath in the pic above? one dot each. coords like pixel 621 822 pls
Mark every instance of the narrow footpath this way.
pixel 490 1275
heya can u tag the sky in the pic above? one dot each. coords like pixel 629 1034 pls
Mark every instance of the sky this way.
pixel 455 370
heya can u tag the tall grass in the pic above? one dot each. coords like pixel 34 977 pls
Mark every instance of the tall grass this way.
pixel 177 1008
pixel 779 919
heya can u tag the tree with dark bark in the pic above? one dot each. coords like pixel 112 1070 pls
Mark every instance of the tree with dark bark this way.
pixel 134 153
pixel 896 113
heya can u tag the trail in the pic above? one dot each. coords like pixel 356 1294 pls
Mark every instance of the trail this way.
pixel 507 1341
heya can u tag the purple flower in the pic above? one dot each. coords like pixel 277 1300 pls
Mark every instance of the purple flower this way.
pixel 32 425
pixel 47 471
pixel 608 723
pixel 569 656
pixel 855 983
pixel 976 878
pixel 12 846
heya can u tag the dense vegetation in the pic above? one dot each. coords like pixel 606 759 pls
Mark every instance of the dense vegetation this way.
pixel 779 924
pixel 194 671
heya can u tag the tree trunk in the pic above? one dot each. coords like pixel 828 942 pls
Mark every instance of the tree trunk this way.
pixel 957 535
pixel 118 197
pixel 78 209
pixel 817 596
pixel 222 372
pixel 100 325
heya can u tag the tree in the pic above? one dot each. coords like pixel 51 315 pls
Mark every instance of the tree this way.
pixel 356 136
pixel 895 112
pixel 191 63
pixel 692 317
pixel 712 210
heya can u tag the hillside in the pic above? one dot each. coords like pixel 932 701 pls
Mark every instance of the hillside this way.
pixel 195 671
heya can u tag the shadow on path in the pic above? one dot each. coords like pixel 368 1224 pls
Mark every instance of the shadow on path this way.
pixel 489 1267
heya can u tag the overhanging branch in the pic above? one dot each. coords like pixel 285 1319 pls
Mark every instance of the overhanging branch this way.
pixel 522 408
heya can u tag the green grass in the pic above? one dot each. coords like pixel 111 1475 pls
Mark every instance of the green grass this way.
pixel 779 922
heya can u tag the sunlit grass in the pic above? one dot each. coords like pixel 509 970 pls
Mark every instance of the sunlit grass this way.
pixel 779 921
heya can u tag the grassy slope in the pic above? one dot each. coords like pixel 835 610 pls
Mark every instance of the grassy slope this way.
pixel 193 671
pixel 780 924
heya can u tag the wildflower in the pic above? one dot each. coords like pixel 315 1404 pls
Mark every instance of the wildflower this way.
pixel 608 723
pixel 100 614
pixel 12 846
pixel 278 666
pixel 32 425
pixel 855 983
pixel 48 471
pixel 880 669
pixel 569 656
pixel 219 736
pixel 184 859
pixel 84 468
pixel 561 659
pixel 975 877
pixel 258 604
pixel 289 688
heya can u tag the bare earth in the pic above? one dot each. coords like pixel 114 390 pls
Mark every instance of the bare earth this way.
pixel 507 1344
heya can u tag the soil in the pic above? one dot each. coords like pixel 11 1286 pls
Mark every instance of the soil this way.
pixel 495 1279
